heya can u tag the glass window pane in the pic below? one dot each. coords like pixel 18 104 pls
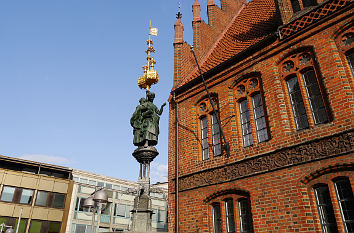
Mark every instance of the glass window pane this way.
pixel 59 200
pixel 22 226
pixel 261 127
pixel 92 182
pixel 54 227
pixel 295 5
pixel 297 103
pixel 315 97
pixel 100 184
pixel 346 202
pixel 245 124
pixel 325 209
pixel 80 228
pixel 216 218
pixel 35 226
pixel 109 186
pixel 41 199
pixel 7 193
pixel 230 220
pixel 26 196
pixel 215 134
pixel 245 216
pixel 121 210
pixel 83 180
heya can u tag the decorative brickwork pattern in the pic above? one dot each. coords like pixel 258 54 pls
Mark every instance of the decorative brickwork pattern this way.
pixel 323 148
pixel 312 16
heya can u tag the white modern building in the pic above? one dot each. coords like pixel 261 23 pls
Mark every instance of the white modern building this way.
pixel 116 216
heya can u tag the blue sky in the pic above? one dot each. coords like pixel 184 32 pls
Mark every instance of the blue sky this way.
pixel 68 79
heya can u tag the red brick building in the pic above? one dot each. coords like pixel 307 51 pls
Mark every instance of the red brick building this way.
pixel 279 74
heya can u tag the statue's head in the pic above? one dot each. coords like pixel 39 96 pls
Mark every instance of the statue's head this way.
pixel 142 100
pixel 150 96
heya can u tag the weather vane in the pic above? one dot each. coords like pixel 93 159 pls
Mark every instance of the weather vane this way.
pixel 150 75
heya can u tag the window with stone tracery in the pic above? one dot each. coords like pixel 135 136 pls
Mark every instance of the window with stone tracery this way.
pixel 251 111
pixel 306 96
pixel 209 127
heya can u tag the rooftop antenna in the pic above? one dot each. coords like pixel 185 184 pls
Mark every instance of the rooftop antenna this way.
pixel 179 15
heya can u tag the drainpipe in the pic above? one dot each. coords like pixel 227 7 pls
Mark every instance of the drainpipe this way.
pixel 176 162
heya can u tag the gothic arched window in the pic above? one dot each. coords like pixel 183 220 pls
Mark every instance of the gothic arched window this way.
pixel 209 127
pixel 306 96
pixel 251 111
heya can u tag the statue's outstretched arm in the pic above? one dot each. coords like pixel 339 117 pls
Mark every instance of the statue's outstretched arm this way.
pixel 161 109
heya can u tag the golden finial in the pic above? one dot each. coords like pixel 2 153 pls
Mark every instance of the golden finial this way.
pixel 150 75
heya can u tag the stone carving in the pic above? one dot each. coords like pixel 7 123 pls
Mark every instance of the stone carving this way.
pixel 307 152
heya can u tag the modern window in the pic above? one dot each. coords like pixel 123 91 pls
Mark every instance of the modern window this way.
pixel 245 215
pixel 17 195
pixel 26 196
pixel 42 198
pixel 305 95
pixel 216 218
pixel 204 137
pixel 325 209
pixel 230 219
pixel 79 206
pixel 59 200
pixel 122 210
pixel 251 110
pixel 51 200
pixel 9 221
pixel 44 227
pixel 346 202
pixel 209 124
pixel 7 194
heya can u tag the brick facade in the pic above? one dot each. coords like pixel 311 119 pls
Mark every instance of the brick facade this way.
pixel 276 176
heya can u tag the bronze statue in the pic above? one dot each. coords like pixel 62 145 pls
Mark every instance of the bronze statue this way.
pixel 145 121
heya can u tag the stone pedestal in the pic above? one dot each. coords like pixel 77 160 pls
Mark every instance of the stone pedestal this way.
pixel 142 213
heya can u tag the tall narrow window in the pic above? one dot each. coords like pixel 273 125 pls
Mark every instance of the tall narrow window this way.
pixel 315 98
pixel 297 103
pixel 301 77
pixel 209 122
pixel 204 137
pixel 346 202
pixel 325 209
pixel 216 218
pixel 295 5
pixel 230 219
pixel 245 123
pixel 215 131
pixel 259 118
pixel 250 101
pixel 245 216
